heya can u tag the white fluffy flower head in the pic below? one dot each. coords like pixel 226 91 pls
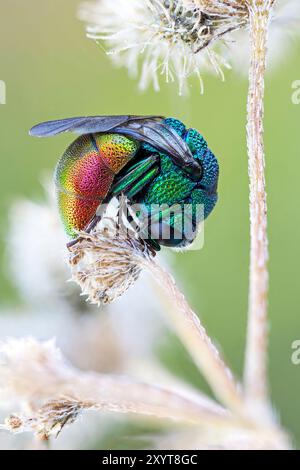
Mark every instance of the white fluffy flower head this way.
pixel 175 37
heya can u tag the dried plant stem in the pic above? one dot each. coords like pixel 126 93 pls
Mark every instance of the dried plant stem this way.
pixel 193 335
pixel 124 395
pixel 255 377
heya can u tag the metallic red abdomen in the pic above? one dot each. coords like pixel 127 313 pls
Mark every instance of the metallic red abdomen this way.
pixel 84 175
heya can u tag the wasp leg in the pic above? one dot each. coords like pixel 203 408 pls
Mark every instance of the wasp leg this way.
pixel 140 175
pixel 136 179
pixel 153 246
pixel 168 226
pixel 88 228
pixel 73 242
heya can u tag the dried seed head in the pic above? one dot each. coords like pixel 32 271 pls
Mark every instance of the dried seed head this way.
pixel 105 263
pixel 170 34
pixel 14 423
pixel 47 421
pixel 55 415
pixel 180 38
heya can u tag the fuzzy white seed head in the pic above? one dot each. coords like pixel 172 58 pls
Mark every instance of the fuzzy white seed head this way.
pixel 174 38
pixel 177 39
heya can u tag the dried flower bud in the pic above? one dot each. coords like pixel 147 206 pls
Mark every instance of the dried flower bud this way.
pixel 14 423
pixel 55 415
pixel 106 264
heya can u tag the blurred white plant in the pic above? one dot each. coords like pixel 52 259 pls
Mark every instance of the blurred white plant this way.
pixel 35 243
pixel 54 393
pixel 49 394
pixel 180 38
pixel 37 263
pixel 116 340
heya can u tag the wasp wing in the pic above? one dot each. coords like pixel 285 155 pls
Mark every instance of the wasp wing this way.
pixel 164 139
pixel 149 129
pixel 85 125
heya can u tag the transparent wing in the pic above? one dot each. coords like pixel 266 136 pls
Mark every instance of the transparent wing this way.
pixel 165 139
pixel 149 129
pixel 85 125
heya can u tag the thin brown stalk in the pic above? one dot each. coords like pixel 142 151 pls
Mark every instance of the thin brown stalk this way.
pixel 194 337
pixel 256 350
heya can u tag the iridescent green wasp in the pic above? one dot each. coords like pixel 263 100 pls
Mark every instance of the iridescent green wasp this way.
pixel 150 159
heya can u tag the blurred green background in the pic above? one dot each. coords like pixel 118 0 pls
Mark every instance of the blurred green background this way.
pixel 52 71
